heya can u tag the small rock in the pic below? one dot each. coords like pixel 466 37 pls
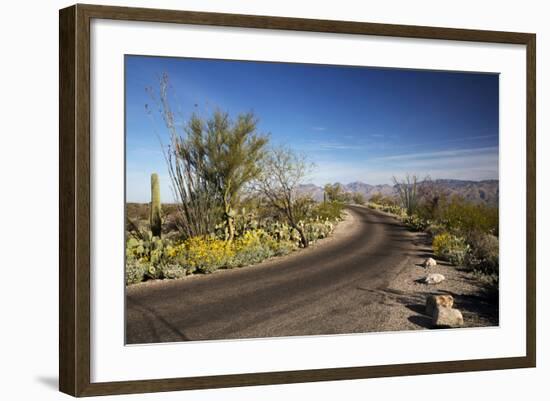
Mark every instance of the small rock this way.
pixel 447 317
pixel 434 278
pixel 430 262
pixel 433 301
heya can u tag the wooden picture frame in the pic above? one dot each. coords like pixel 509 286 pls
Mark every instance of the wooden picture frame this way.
pixel 74 199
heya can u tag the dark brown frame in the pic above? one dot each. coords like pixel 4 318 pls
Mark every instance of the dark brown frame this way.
pixel 74 199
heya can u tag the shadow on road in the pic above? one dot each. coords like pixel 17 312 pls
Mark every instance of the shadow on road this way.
pixel 152 316
pixel 421 320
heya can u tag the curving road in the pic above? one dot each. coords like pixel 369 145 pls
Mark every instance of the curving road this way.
pixel 330 289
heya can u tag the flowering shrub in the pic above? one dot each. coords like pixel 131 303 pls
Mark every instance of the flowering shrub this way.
pixel 255 240
pixel 157 259
pixel 484 253
pixel 252 247
pixel 450 247
pixel 204 254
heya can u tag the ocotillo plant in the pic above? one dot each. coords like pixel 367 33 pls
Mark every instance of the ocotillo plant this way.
pixel 155 219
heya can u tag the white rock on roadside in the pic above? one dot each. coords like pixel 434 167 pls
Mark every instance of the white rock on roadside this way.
pixel 430 262
pixel 434 278
pixel 434 301
pixel 447 317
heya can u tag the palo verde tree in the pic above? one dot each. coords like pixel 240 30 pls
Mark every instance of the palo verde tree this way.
pixel 208 163
pixel 228 154
pixel 282 173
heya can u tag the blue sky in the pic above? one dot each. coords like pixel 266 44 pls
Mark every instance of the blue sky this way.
pixel 353 123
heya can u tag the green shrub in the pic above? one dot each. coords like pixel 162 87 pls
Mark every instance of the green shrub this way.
pixel 256 246
pixel 464 217
pixel 173 271
pixel 435 229
pixel 380 199
pixel 388 208
pixel 484 253
pixel 135 272
pixel 149 257
pixel 358 198
pixel 251 255
pixel 416 223
pixel 250 248
pixel 328 210
pixel 490 281
pixel 451 248
pixel 281 248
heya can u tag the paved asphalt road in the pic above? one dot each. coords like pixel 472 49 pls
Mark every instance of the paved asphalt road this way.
pixel 331 289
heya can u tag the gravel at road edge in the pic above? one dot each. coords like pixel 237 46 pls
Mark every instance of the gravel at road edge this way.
pixel 406 294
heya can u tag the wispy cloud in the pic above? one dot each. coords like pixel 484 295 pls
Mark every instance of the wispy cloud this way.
pixel 378 142
pixel 466 164
pixel 319 128
pixel 337 146
pixel 439 154
pixel 447 141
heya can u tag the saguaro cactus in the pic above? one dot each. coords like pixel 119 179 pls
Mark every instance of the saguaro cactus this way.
pixel 155 218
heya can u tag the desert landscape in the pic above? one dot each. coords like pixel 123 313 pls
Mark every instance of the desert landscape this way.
pixel 236 228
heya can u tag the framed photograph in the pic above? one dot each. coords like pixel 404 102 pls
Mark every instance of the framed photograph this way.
pixel 249 200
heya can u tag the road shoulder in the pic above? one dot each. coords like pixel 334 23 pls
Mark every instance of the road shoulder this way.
pixel 406 294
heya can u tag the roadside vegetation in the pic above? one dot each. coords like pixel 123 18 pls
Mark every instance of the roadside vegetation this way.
pixel 237 199
pixel 463 233
pixel 237 202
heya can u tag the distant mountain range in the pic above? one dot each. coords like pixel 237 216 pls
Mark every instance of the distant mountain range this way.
pixel 474 191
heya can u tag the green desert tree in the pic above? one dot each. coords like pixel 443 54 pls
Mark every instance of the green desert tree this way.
pixel 209 162
pixel 228 154
pixel 334 193
pixel 358 198
pixel 282 173
pixel 337 193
